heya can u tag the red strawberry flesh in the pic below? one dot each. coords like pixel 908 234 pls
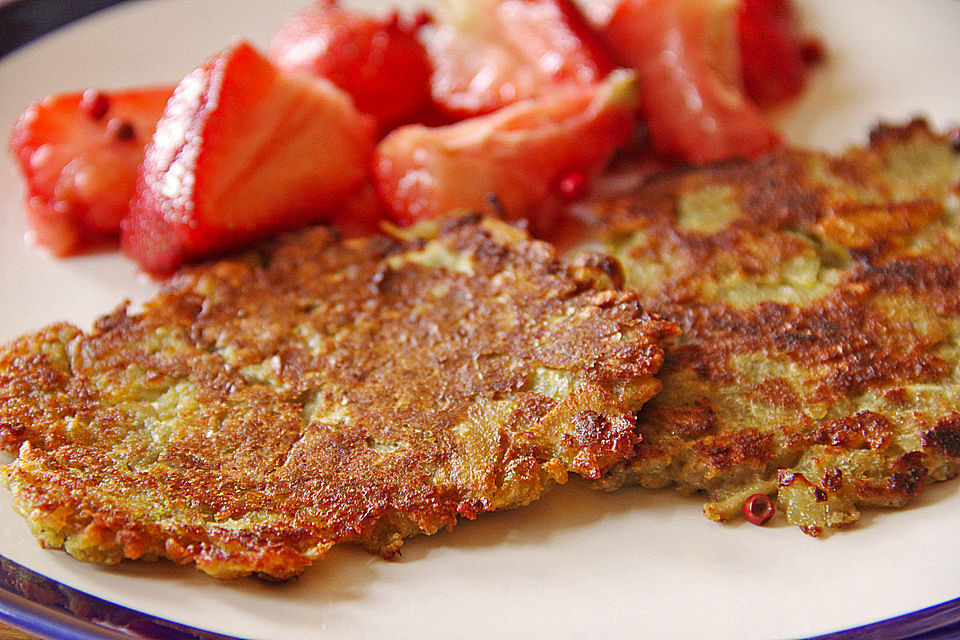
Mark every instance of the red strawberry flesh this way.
pixel 686 56
pixel 491 53
pixel 80 174
pixel 772 51
pixel 243 152
pixel 379 62
pixel 516 158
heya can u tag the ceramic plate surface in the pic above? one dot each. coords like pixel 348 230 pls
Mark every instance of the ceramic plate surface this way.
pixel 577 564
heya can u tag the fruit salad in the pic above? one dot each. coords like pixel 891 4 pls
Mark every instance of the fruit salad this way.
pixel 509 107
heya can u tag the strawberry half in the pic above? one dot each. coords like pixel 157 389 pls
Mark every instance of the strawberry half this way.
pixel 526 157
pixel 491 53
pixel 686 56
pixel 379 62
pixel 79 154
pixel 242 152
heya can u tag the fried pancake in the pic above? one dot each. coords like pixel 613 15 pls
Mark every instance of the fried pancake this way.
pixel 264 408
pixel 819 299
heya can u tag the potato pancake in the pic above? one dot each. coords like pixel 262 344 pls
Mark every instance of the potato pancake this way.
pixel 819 299
pixel 264 408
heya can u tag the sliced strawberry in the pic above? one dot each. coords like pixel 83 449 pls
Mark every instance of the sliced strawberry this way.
pixel 491 53
pixel 771 51
pixel 241 152
pixel 79 153
pixel 517 157
pixel 380 62
pixel 687 62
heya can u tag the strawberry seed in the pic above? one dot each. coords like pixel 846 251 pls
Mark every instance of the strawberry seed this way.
pixel 573 186
pixel 94 104
pixel 121 129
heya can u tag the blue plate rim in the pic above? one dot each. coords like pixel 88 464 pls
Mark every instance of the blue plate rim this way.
pixel 30 20
pixel 42 606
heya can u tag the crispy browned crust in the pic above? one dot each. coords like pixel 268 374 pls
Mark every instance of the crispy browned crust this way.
pixel 819 299
pixel 262 409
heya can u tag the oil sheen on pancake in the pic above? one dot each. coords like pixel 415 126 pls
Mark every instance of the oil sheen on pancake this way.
pixel 819 299
pixel 264 408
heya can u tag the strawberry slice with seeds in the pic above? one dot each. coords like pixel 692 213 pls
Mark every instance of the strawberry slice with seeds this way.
pixel 241 152
pixel 524 160
pixel 79 154
pixel 378 61
pixel 491 53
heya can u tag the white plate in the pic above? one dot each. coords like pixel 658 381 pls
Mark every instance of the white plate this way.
pixel 578 564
